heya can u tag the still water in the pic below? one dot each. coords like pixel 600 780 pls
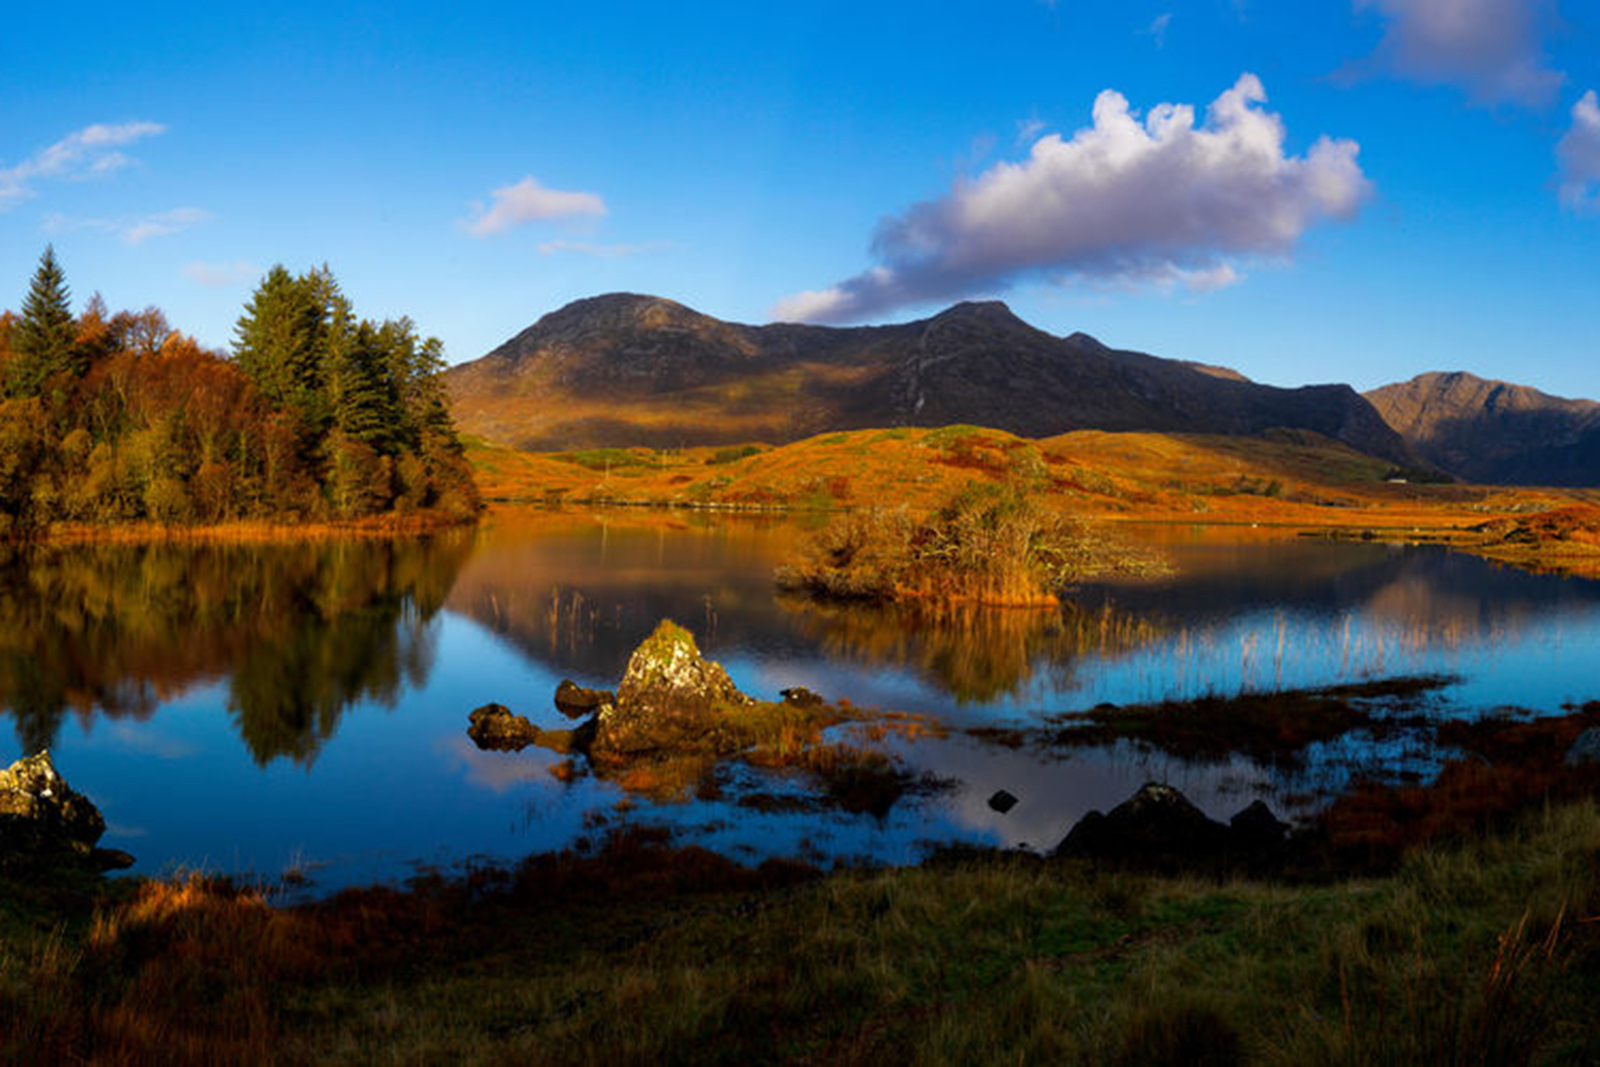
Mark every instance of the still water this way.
pixel 262 709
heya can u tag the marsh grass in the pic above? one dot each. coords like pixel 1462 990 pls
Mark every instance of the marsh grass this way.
pixel 991 544
pixel 1481 951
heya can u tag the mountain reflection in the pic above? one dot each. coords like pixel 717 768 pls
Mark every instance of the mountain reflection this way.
pixel 300 632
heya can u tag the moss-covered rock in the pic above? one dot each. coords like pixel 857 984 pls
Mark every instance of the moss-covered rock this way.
pixel 41 816
pixel 496 727
pixel 671 698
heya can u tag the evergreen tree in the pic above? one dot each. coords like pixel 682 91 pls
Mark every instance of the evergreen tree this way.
pixel 278 342
pixel 45 337
pixel 361 392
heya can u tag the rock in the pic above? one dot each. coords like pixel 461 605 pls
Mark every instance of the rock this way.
pixel 577 702
pixel 1586 749
pixel 40 815
pixel 111 859
pixel 1002 802
pixel 800 697
pixel 1256 827
pixel 671 698
pixel 1157 825
pixel 493 726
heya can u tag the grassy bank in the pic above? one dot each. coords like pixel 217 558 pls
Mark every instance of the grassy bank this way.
pixel 1293 480
pixel 249 532
pixel 1480 950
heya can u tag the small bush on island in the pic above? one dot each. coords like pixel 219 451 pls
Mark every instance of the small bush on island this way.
pixel 991 544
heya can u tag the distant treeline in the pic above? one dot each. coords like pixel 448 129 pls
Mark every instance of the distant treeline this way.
pixel 318 415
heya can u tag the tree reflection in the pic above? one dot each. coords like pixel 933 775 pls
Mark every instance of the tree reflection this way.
pixel 301 631
pixel 976 653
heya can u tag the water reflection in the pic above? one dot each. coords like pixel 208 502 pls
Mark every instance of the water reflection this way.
pixel 209 697
pixel 977 654
pixel 300 632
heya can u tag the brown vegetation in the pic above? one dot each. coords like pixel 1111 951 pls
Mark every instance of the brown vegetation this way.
pixel 1291 481
pixel 988 545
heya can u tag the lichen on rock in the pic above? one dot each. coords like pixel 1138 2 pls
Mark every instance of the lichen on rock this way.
pixel 671 697
pixel 40 815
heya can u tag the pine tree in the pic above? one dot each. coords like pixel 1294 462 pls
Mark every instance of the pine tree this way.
pixel 277 341
pixel 44 339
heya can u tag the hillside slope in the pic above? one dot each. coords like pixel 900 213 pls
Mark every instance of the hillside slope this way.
pixel 1495 432
pixel 628 370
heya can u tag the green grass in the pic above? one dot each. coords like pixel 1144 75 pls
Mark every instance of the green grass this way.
pixel 1475 952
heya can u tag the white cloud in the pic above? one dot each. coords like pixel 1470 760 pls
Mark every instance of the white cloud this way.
pixel 1029 129
pixel 1579 155
pixel 167 222
pixel 87 153
pixel 1493 49
pixel 137 229
pixel 1158 28
pixel 220 275
pixel 528 201
pixel 1163 202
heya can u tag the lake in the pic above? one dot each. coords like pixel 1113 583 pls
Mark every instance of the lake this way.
pixel 263 709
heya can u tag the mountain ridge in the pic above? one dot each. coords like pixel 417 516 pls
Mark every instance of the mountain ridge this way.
pixel 1491 431
pixel 632 369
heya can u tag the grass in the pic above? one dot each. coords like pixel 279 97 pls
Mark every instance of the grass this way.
pixel 1478 951
pixel 1271 728
pixel 249 532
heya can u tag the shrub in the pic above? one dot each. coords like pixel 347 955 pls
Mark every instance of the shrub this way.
pixel 989 543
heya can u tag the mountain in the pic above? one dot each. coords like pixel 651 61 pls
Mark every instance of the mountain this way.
pixel 625 369
pixel 1494 432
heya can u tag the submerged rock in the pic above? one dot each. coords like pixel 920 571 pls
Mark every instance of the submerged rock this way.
pixel 493 726
pixel 577 702
pixel 1002 801
pixel 40 815
pixel 671 697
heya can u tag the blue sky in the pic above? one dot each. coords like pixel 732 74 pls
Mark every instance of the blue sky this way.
pixel 1360 190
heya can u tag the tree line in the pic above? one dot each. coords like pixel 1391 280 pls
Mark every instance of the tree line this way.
pixel 317 415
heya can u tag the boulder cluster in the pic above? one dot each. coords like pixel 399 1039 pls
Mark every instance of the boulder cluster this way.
pixel 1160 827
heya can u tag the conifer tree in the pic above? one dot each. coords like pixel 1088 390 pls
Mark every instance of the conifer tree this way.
pixel 44 337
pixel 277 342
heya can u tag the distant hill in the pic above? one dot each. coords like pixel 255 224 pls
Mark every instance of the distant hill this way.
pixel 624 369
pixel 1494 432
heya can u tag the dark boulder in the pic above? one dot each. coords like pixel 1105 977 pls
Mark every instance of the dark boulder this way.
pixel 577 702
pixel 41 816
pixel 1157 825
pixel 800 697
pixel 1257 828
pixel 493 726
pixel 1159 828
pixel 1002 801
